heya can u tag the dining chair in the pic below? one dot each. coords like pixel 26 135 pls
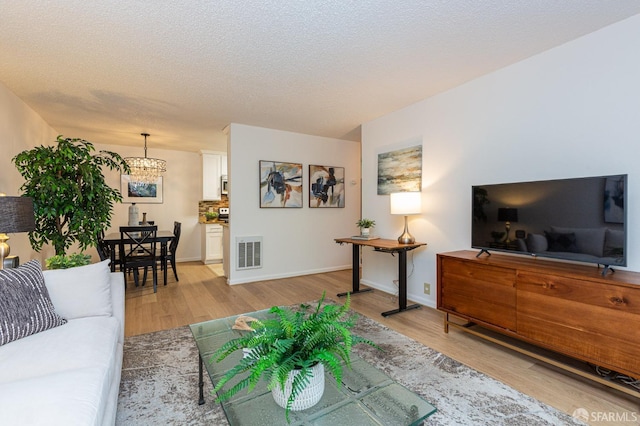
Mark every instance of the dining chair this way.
pixel 138 250
pixel 104 251
pixel 170 256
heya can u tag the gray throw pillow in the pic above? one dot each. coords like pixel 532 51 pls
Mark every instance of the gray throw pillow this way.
pixel 25 306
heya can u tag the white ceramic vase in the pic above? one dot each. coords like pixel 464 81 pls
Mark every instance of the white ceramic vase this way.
pixel 309 396
pixel 365 232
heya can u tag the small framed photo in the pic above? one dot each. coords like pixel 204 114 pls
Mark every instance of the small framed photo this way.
pixel 140 193
pixel 280 184
pixel 326 186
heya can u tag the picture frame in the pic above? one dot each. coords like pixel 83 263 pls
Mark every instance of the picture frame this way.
pixel 280 184
pixel 400 170
pixel 326 186
pixel 150 193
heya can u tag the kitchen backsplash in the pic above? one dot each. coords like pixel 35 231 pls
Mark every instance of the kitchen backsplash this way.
pixel 205 206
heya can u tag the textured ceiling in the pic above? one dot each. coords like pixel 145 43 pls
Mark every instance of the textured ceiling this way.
pixel 181 71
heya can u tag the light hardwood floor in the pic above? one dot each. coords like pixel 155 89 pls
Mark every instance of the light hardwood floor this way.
pixel 200 295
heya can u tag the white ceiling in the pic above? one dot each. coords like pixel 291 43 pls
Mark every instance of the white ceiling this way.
pixel 106 71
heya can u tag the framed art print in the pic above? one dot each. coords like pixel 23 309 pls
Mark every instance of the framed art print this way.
pixel 400 171
pixel 142 193
pixel 326 186
pixel 280 184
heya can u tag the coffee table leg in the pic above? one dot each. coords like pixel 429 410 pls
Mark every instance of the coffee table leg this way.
pixel 200 381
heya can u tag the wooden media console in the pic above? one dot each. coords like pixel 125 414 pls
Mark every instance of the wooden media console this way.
pixel 569 309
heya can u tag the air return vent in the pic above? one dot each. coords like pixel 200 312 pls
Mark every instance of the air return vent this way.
pixel 249 252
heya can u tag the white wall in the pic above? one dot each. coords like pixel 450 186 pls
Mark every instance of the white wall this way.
pixel 20 129
pixel 569 112
pixel 296 241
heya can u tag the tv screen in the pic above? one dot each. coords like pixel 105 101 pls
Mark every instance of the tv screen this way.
pixel 580 219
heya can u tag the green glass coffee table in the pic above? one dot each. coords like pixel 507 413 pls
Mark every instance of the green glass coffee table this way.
pixel 367 395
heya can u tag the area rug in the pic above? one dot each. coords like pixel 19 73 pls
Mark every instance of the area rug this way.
pixel 160 383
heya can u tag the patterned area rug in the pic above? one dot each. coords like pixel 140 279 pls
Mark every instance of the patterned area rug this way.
pixel 160 383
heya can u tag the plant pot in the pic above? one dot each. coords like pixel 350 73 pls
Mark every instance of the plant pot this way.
pixel 309 396
pixel 365 232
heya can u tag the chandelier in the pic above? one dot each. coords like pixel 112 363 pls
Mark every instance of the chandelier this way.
pixel 145 170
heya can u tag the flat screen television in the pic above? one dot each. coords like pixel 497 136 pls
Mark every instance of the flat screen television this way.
pixel 579 219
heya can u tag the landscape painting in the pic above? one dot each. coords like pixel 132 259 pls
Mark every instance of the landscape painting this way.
pixel 326 186
pixel 400 170
pixel 280 184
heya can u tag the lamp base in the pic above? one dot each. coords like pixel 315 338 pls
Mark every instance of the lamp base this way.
pixel 4 249
pixel 406 237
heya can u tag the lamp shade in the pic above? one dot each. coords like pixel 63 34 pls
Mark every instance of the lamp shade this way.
pixel 406 203
pixel 16 214
pixel 507 214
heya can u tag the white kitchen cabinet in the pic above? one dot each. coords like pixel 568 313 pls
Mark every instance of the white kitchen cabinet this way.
pixel 211 243
pixel 211 172
pixel 223 165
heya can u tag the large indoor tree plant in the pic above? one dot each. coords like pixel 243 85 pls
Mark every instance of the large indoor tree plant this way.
pixel 72 201
pixel 287 347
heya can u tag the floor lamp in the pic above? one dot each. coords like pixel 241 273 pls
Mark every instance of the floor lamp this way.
pixel 16 215
pixel 406 203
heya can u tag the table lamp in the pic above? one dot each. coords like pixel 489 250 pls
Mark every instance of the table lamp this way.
pixel 406 203
pixel 508 215
pixel 16 215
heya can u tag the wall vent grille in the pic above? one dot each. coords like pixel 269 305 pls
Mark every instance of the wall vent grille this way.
pixel 249 252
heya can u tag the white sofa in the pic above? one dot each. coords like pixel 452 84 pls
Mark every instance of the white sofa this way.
pixel 69 374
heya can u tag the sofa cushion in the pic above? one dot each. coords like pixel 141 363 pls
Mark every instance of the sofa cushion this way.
pixel 81 343
pixel 613 243
pixel 537 243
pixel 25 306
pixel 77 397
pixel 82 291
pixel 588 240
pixel 562 242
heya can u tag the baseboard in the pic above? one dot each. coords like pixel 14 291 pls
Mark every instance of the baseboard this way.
pixel 286 275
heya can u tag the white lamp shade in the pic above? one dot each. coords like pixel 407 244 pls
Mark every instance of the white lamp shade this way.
pixel 406 203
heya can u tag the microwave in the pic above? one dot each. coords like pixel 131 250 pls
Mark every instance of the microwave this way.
pixel 224 183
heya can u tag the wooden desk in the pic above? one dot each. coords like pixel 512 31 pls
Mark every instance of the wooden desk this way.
pixel 385 246
pixel 113 239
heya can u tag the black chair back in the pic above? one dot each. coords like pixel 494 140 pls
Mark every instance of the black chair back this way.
pixel 176 233
pixel 104 251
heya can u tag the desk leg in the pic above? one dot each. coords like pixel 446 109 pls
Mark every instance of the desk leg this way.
pixel 200 381
pixel 355 275
pixel 402 286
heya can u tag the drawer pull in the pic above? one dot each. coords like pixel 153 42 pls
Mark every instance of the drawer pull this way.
pixel 618 301
pixel 549 286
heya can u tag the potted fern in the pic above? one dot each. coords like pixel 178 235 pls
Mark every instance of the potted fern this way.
pixel 291 350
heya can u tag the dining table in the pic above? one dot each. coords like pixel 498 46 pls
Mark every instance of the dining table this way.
pixel 113 240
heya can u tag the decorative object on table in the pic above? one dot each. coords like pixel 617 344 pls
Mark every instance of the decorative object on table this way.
pixel 141 193
pixel 210 215
pixel 326 186
pixel 280 184
pixel 133 214
pixel 507 215
pixel 145 170
pixel 365 226
pixel 144 219
pixel 406 203
pixel 61 261
pixel 72 201
pixel 16 215
pixel 291 351
pixel 400 170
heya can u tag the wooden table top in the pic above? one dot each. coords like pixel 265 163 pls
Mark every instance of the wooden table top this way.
pixel 380 243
